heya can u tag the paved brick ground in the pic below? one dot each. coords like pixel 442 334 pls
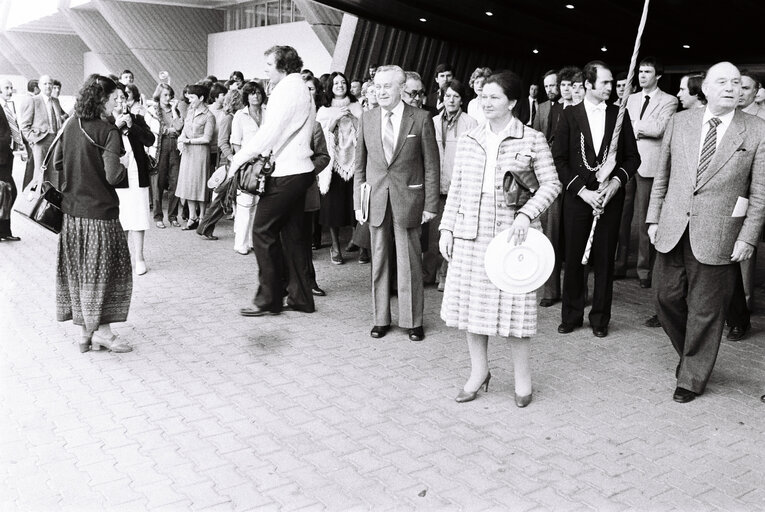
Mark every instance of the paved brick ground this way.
pixel 213 411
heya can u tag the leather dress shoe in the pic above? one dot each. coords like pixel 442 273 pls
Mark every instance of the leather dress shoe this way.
pixel 9 238
pixel 738 333
pixel 364 256
pixel 652 322
pixel 600 332
pixel 645 283
pixel 257 312
pixel 378 331
pixel 683 396
pixel 565 328
pixel 546 303
pixel 417 334
pixel 318 291
pixel 208 237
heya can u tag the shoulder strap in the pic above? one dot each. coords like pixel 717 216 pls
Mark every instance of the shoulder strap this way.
pixel 88 136
pixel 52 147
pixel 289 139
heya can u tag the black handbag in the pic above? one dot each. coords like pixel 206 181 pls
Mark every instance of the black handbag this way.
pixel 42 202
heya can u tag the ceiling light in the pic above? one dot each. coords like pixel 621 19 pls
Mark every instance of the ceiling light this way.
pixel 535 51
pixel 489 13
pixel 603 48
pixel 423 20
pixel 686 46
pixel 569 6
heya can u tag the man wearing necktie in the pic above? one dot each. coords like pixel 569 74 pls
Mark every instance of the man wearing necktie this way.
pixel 582 153
pixel 10 138
pixel 705 215
pixel 397 156
pixel 650 111
pixel 40 119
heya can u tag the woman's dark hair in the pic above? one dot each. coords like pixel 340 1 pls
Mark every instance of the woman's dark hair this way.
pixel 216 90
pixel 456 86
pixel 251 87
pixel 329 95
pixel 133 90
pixel 317 98
pixel 508 82
pixel 199 90
pixel 92 96
pixel 286 59
pixel 160 88
pixel 694 86
pixel 238 75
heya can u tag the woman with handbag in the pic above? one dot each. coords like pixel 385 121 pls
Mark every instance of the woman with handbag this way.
pixel 166 122
pixel 245 125
pixel 194 145
pixel 339 116
pixel 94 280
pixel 133 193
pixel 474 213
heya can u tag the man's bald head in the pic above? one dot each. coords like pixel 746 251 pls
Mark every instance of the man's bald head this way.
pixel 722 88
pixel 46 85
pixel 6 89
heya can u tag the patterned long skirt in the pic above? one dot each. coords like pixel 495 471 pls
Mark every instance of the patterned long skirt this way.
pixel 471 301
pixel 94 280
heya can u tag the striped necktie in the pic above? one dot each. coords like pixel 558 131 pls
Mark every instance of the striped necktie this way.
pixel 708 148
pixel 387 138
pixel 15 132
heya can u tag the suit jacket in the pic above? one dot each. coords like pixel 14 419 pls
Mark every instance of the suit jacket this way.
pixel 523 110
pixel 566 149
pixel 410 180
pixel 542 121
pixel 33 118
pixel 737 170
pixel 6 152
pixel 650 129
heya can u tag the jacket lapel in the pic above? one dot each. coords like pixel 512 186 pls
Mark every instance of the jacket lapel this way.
pixel 692 134
pixel 407 121
pixel 584 127
pixel 730 142
pixel 608 132
pixel 375 134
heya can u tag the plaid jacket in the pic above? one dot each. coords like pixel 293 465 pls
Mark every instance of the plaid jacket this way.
pixel 523 152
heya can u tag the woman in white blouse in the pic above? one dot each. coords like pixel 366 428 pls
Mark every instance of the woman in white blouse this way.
pixel 477 80
pixel 244 126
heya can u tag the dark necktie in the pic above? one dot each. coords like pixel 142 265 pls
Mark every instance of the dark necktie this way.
pixel 645 105
pixel 708 148
pixel 53 117
pixel 387 138
pixel 13 124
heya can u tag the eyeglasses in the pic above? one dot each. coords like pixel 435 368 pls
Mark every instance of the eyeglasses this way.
pixel 415 94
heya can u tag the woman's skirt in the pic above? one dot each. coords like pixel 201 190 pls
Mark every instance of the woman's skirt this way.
pixel 94 280
pixel 336 209
pixel 192 176
pixel 471 301
pixel 134 204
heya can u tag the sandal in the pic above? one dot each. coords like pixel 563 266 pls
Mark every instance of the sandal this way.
pixel 112 344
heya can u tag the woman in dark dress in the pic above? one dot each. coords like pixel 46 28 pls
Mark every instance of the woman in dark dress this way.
pixel 94 281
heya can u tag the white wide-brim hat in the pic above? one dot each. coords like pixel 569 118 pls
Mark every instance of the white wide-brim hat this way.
pixel 521 268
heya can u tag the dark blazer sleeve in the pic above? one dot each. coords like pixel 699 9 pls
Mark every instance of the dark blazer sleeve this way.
pixel 140 131
pixel 431 164
pixel 628 157
pixel 6 153
pixel 561 151
pixel 320 156
pixel 360 174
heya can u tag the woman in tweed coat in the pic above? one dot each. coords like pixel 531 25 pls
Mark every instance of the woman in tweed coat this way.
pixel 475 211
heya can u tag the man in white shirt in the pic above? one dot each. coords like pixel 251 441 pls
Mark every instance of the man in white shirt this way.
pixel 40 118
pixel 594 180
pixel 706 214
pixel 278 238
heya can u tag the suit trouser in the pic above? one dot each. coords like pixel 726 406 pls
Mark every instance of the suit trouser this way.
pixel 551 223
pixel 577 221
pixel 168 166
pixel 691 301
pixel 646 250
pixel 29 171
pixel 739 313
pixel 625 228
pixel 39 150
pixel 5 224
pixel 279 217
pixel 408 257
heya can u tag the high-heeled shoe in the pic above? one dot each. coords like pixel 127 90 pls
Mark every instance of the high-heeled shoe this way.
pixel 85 344
pixel 111 344
pixel 469 396
pixel 523 401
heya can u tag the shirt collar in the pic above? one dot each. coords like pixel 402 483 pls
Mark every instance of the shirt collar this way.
pixel 398 110
pixel 651 95
pixel 725 119
pixel 591 107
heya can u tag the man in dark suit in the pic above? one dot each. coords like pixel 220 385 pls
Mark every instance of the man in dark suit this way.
pixel 594 179
pixel 705 217
pixel 6 174
pixel 40 119
pixel 397 156
pixel 528 108
pixel 444 73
